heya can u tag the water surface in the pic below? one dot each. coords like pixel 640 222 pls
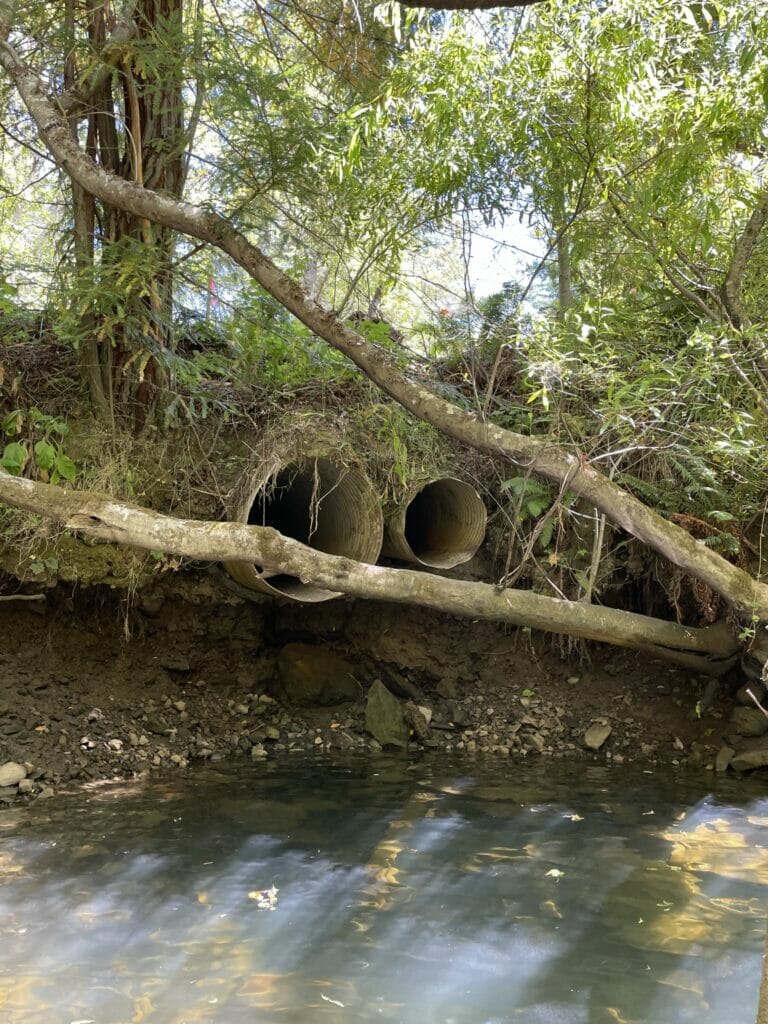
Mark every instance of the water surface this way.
pixel 437 892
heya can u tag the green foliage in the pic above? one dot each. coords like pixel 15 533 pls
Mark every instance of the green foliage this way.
pixel 533 498
pixel 271 349
pixel 41 449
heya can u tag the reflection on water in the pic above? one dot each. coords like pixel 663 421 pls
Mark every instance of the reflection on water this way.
pixel 431 893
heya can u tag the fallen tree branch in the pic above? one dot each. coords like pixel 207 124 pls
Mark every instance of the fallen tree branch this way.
pixel 747 595
pixel 711 650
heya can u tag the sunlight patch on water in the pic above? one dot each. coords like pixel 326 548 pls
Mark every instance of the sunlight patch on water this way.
pixel 366 891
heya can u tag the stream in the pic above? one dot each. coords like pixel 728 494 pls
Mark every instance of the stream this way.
pixel 438 891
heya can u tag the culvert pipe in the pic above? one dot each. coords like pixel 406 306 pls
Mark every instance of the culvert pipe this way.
pixel 320 502
pixel 441 525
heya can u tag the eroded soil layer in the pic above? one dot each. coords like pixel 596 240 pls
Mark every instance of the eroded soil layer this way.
pixel 96 687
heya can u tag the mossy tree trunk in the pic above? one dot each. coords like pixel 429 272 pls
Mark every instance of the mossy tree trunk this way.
pixel 131 123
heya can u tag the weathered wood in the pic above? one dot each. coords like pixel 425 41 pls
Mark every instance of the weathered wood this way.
pixel 711 650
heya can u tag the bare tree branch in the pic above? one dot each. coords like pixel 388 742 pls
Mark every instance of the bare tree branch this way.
pixel 742 252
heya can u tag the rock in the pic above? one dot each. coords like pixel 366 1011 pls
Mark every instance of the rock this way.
pixel 174 661
pixel 258 751
pixel 749 721
pixel 447 689
pixel 26 786
pixel 11 774
pixel 751 757
pixel 596 735
pixel 709 694
pixel 723 759
pixel 384 718
pixel 311 674
pixel 534 741
pixel 757 688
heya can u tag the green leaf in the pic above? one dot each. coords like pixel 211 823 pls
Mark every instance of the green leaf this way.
pixel 11 425
pixel 65 467
pixel 536 506
pixel 45 455
pixel 14 458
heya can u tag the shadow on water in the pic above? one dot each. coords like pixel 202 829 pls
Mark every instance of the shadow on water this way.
pixel 438 892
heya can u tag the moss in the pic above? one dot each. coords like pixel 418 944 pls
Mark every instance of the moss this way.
pixel 68 559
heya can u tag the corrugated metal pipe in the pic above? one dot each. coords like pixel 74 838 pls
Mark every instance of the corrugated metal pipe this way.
pixel 442 524
pixel 320 502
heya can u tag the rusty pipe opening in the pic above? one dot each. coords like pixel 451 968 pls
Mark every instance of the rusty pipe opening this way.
pixel 321 503
pixel 441 525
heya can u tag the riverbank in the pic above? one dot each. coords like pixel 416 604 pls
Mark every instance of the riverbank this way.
pixel 96 686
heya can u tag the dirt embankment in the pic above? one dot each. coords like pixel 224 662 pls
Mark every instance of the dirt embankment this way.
pixel 95 687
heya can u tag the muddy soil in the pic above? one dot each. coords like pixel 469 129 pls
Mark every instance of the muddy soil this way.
pixel 97 686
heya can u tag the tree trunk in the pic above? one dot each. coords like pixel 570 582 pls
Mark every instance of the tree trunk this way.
pixel 712 650
pixel 124 364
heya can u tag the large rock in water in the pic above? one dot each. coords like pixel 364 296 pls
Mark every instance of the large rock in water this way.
pixel 384 717
pixel 313 675
pixel 11 773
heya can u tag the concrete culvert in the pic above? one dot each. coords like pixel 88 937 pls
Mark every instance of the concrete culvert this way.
pixel 442 525
pixel 321 503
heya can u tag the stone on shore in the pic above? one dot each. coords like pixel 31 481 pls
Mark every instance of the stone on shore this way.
pixel 751 757
pixel 749 721
pixel 11 774
pixel 596 735
pixel 723 759
pixel 384 717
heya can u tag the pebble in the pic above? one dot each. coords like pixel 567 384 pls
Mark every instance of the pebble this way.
pixel 11 774
pixel 596 735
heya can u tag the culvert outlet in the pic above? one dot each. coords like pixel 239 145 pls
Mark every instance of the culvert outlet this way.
pixel 441 525
pixel 321 503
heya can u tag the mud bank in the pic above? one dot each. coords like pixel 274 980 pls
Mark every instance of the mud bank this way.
pixel 96 686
